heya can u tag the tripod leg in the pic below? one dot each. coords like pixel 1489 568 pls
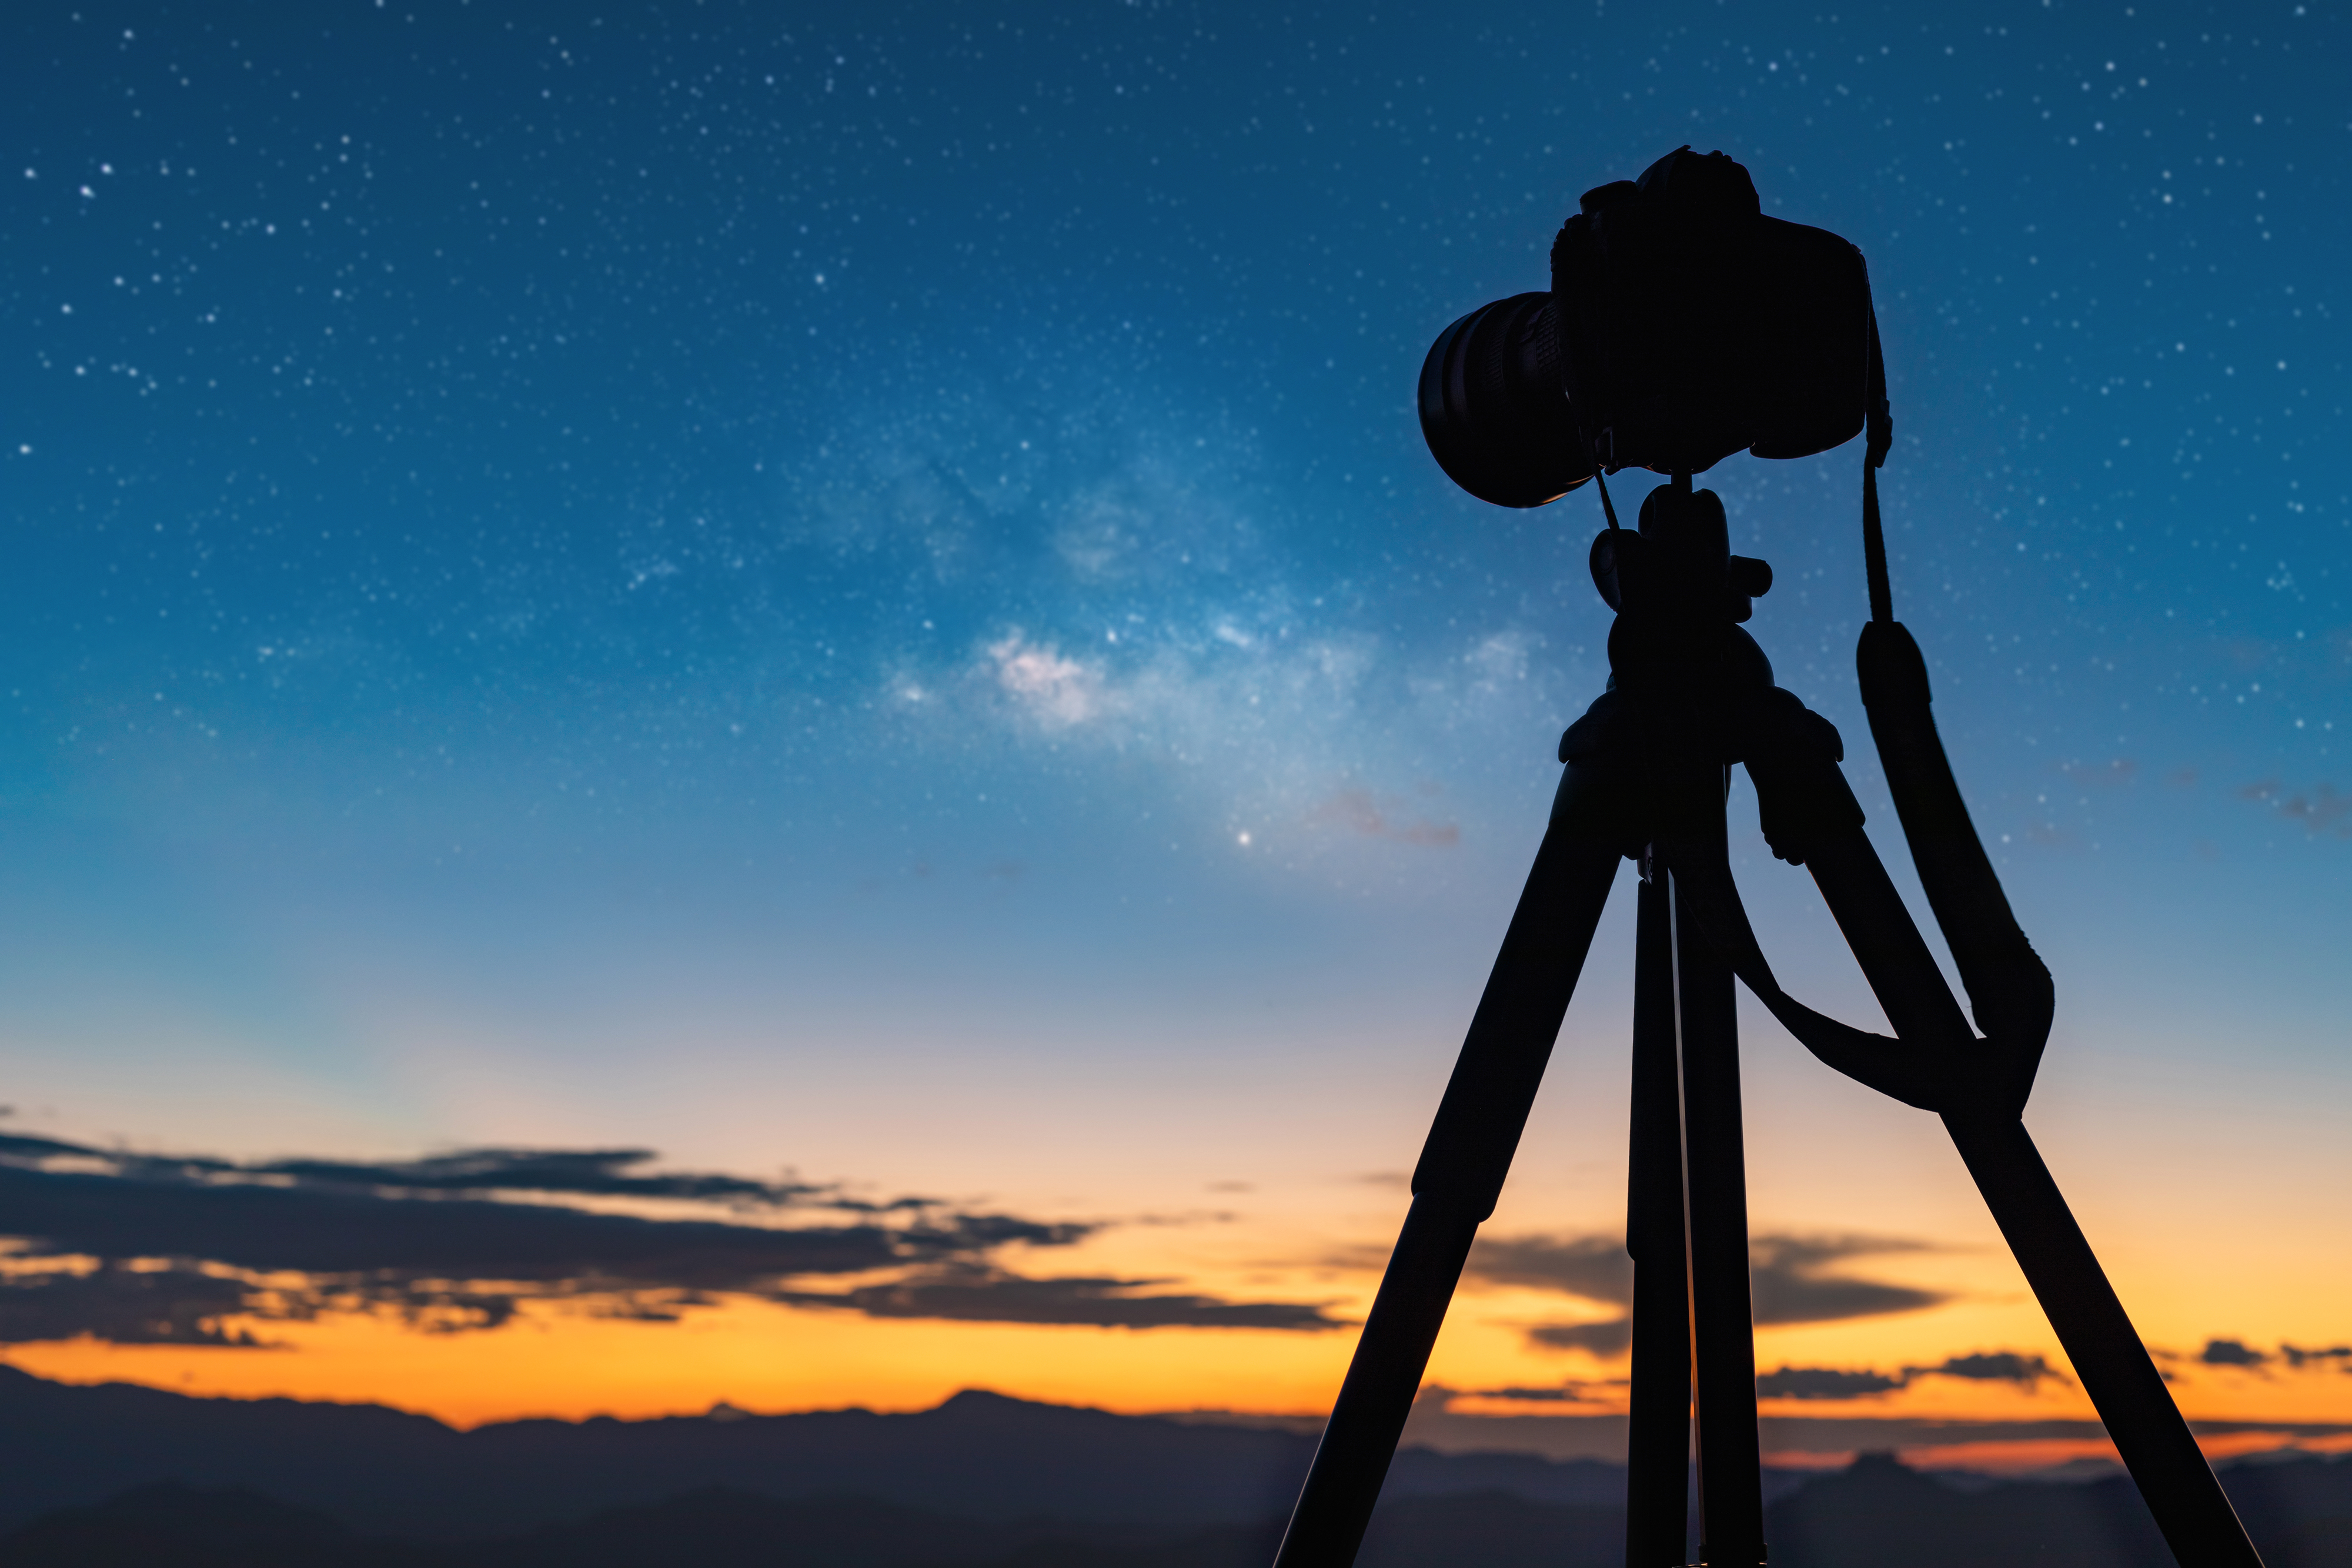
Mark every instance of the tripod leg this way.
pixel 1723 1332
pixel 2157 1446
pixel 1657 1471
pixel 1455 1187
pixel 2158 1449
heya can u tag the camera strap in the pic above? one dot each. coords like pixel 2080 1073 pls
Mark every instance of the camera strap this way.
pixel 1879 419
pixel 1606 509
pixel 2008 987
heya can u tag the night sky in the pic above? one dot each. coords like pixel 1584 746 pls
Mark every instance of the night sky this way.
pixel 858 591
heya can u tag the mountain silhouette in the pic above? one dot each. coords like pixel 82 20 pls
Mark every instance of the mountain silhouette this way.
pixel 720 1528
pixel 978 1456
pixel 119 1475
pixel 171 1526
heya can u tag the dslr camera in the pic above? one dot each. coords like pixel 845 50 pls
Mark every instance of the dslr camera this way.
pixel 1682 326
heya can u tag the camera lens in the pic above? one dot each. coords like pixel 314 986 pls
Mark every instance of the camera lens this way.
pixel 1492 410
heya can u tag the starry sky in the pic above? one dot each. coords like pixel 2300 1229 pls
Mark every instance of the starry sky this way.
pixel 850 598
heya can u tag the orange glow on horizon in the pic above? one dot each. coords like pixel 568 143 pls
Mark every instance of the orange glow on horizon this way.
pixel 568 1363
pixel 751 1355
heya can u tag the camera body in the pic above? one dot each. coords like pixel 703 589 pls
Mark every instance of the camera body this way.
pixel 1683 325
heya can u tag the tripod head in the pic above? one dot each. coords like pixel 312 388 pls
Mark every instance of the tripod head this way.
pixel 1680 594
pixel 1690 692
pixel 1680 558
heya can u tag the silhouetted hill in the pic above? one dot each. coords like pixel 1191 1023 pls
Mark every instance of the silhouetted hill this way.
pixel 178 1527
pixel 2325 1543
pixel 1879 1512
pixel 1875 1513
pixel 115 1474
pixel 172 1526
pixel 1491 1529
pixel 978 1456
pixel 2299 1508
pixel 717 1528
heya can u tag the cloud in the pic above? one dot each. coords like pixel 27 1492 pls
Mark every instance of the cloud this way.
pixel 1825 1383
pixel 123 1306
pixel 1569 1393
pixel 1787 1284
pixel 2028 1371
pixel 318 1230
pixel 1787 1274
pixel 599 1173
pixel 1601 1339
pixel 974 1294
pixel 1593 1267
pixel 1994 1367
pixel 2238 1354
pixel 145 1250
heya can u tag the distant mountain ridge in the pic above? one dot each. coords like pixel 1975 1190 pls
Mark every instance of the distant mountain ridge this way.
pixel 170 1526
pixel 1873 1514
pixel 92 1476
pixel 978 1456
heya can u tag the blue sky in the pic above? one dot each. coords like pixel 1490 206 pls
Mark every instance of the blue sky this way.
pixel 733 578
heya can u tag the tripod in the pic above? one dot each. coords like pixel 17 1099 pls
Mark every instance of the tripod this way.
pixel 1690 693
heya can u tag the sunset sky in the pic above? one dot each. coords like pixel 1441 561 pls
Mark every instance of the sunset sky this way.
pixel 774 703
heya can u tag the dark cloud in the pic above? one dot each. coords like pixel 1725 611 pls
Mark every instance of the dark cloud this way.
pixel 588 1173
pixel 1600 1339
pixel 972 1294
pixel 582 1172
pixel 1993 1367
pixel 1547 1394
pixel 1825 1383
pixel 2237 1353
pixel 1593 1267
pixel 342 1232
pixel 1806 1298
pixel 957 1233
pixel 16 1145
pixel 1788 1285
pixel 1788 1275
pixel 147 1250
pixel 1828 1383
pixel 124 1306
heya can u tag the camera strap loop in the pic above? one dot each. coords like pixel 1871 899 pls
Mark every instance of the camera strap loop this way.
pixel 1606 509
pixel 1874 547
pixel 1879 419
